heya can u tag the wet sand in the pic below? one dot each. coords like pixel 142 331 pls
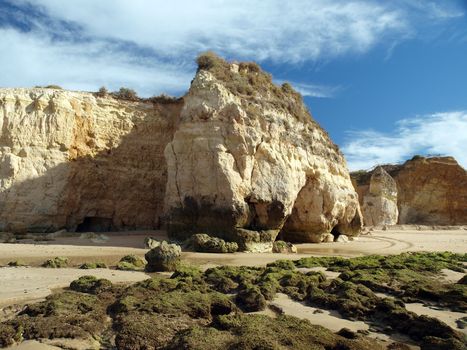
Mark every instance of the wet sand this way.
pixel 331 320
pixel 110 250
pixel 24 284
pixel 19 283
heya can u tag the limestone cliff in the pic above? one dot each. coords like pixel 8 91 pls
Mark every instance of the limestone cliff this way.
pixel 380 203
pixel 247 154
pixel 69 159
pixel 237 152
pixel 430 191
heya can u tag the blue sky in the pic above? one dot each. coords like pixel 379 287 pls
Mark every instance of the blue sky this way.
pixel 386 79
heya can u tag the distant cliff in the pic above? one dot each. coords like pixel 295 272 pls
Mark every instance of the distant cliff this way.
pixel 430 191
pixel 236 152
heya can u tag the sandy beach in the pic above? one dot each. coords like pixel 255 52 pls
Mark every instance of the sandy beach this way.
pixel 25 284
pixel 117 244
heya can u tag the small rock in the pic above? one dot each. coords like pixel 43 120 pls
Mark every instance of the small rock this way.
pixel 328 238
pixel 282 247
pixel 342 239
pixel 151 243
pixel 165 257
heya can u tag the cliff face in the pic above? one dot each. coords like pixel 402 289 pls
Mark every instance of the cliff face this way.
pixel 71 160
pixel 235 152
pixel 430 191
pixel 247 154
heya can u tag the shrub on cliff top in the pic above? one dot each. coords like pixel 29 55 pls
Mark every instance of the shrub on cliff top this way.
pixel 102 92
pixel 125 94
pixel 209 60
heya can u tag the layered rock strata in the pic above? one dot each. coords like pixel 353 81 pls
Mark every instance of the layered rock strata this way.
pixel 236 154
pixel 71 160
pixel 430 191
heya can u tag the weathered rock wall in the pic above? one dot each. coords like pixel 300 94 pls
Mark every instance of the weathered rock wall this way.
pixel 248 155
pixel 380 203
pixel 430 191
pixel 69 158
pixel 236 157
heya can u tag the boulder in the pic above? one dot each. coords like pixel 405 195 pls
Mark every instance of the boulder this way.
pixel 165 257
pixel 255 241
pixel 328 238
pixel 205 243
pixel 342 239
pixel 283 247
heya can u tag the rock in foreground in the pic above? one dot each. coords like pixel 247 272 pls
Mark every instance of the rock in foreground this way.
pixel 165 257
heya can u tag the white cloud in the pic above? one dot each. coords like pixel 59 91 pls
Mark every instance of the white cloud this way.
pixel 440 133
pixel 316 90
pixel 105 44
pixel 312 90
pixel 277 30
pixel 30 59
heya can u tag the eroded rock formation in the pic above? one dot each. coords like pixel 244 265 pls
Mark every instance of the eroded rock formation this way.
pixel 71 160
pixel 380 203
pixel 236 153
pixel 248 154
pixel 430 191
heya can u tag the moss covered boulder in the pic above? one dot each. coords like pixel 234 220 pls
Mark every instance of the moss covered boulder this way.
pixel 205 243
pixel 165 257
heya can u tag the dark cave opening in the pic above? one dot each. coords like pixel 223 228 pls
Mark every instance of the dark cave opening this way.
pixel 335 232
pixel 95 224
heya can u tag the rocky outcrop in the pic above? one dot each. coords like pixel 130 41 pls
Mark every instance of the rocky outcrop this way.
pixel 237 152
pixel 247 154
pixel 430 191
pixel 380 203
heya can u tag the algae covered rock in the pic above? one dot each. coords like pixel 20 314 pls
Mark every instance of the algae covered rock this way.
pixel 165 257
pixel 91 285
pixel 283 247
pixel 57 262
pixel 205 243
pixel 255 241
pixel 131 263
pixel 93 265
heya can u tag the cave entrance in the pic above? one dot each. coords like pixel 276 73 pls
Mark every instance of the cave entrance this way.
pixel 95 224
pixel 335 232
